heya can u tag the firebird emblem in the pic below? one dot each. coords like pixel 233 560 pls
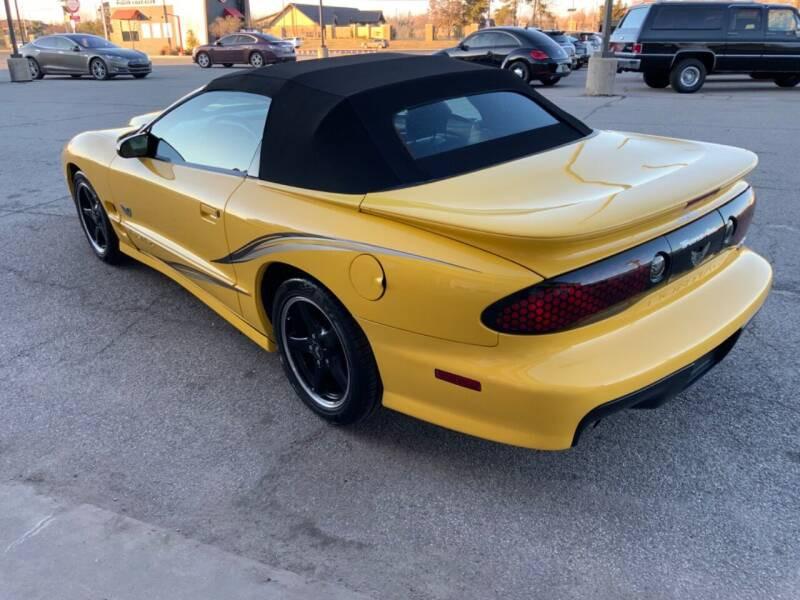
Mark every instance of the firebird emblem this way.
pixel 699 253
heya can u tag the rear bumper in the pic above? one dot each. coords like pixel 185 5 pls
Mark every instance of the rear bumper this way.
pixel 542 391
pixel 626 62
pixel 551 68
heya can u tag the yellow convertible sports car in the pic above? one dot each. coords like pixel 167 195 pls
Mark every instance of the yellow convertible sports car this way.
pixel 435 237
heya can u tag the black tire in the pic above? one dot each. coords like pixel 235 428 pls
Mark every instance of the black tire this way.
pixel 787 81
pixel 227 65
pixel 99 69
pixel 317 338
pixel 521 69
pixel 256 60
pixel 204 60
pixel 94 221
pixel 656 79
pixel 688 76
pixel 549 81
pixel 140 75
pixel 35 69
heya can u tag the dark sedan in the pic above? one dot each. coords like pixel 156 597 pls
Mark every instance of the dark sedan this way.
pixel 563 40
pixel 80 54
pixel 247 48
pixel 527 53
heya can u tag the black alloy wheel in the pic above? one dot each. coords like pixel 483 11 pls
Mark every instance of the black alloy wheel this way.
pixel 520 69
pixel 324 353
pixel 94 221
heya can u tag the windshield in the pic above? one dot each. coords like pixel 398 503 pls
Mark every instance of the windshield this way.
pixel 460 122
pixel 92 41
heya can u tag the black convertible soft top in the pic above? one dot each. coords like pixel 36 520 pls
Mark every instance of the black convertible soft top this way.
pixel 330 123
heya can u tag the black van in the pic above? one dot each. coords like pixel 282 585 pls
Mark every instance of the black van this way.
pixel 679 43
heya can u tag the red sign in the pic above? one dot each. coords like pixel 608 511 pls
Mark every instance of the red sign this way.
pixel 72 6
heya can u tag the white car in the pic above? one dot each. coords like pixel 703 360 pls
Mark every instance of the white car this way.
pixel 294 41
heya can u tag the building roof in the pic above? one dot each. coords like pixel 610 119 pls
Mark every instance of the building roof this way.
pixel 336 15
pixel 331 126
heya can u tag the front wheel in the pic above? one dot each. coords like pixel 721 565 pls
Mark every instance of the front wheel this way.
pixel 787 81
pixel 94 221
pixel 521 70
pixel 656 79
pixel 98 69
pixel 203 59
pixel 549 81
pixel 256 60
pixel 35 69
pixel 324 352
pixel 688 76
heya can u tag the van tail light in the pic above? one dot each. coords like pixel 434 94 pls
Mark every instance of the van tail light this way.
pixel 539 55
pixel 637 48
pixel 610 285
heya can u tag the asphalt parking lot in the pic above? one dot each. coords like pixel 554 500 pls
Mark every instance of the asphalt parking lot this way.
pixel 121 392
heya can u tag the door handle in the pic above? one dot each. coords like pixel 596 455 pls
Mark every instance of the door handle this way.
pixel 209 213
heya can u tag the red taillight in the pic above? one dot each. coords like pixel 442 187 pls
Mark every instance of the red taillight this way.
pixel 539 55
pixel 610 285
pixel 637 48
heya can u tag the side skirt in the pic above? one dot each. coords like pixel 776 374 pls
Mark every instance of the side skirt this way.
pixel 218 307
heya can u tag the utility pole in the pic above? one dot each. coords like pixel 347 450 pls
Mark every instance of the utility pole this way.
pixel 323 50
pixel 167 25
pixel 607 28
pixel 23 29
pixel 15 51
pixel 103 18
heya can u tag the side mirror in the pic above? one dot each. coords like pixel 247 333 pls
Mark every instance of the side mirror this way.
pixel 218 43
pixel 76 48
pixel 138 145
pixel 463 46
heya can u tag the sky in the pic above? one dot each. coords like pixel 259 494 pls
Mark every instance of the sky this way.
pixel 50 10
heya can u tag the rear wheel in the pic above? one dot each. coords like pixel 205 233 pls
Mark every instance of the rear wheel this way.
pixel 256 60
pixel 35 69
pixel 324 352
pixel 549 81
pixel 203 59
pixel 98 69
pixel 688 76
pixel 521 70
pixel 787 81
pixel 656 79
pixel 94 221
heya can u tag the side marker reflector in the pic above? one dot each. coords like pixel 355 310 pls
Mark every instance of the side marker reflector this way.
pixel 460 380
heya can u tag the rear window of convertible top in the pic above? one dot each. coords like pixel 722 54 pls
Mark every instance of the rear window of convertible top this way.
pixel 456 123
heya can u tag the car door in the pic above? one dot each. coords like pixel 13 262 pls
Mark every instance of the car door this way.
pixel 46 53
pixel 502 45
pixel 744 44
pixel 60 55
pixel 781 41
pixel 75 57
pixel 246 44
pixel 172 204
pixel 228 51
pixel 476 48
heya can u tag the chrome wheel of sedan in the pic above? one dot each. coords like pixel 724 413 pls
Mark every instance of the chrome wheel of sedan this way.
pixel 98 69
pixel 256 60
pixel 203 60
pixel 33 66
pixel 315 352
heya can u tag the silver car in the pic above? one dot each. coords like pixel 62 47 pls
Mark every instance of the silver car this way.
pixel 77 54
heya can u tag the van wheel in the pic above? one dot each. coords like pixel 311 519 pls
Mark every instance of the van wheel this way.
pixel 656 79
pixel 787 81
pixel 688 76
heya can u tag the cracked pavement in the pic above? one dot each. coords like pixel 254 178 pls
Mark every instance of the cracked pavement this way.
pixel 120 391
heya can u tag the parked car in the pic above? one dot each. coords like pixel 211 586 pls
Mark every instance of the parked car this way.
pixel 680 43
pixel 375 43
pixel 294 41
pixel 563 40
pixel 593 41
pixel 528 53
pixel 78 54
pixel 436 237
pixel 255 49
pixel 581 51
